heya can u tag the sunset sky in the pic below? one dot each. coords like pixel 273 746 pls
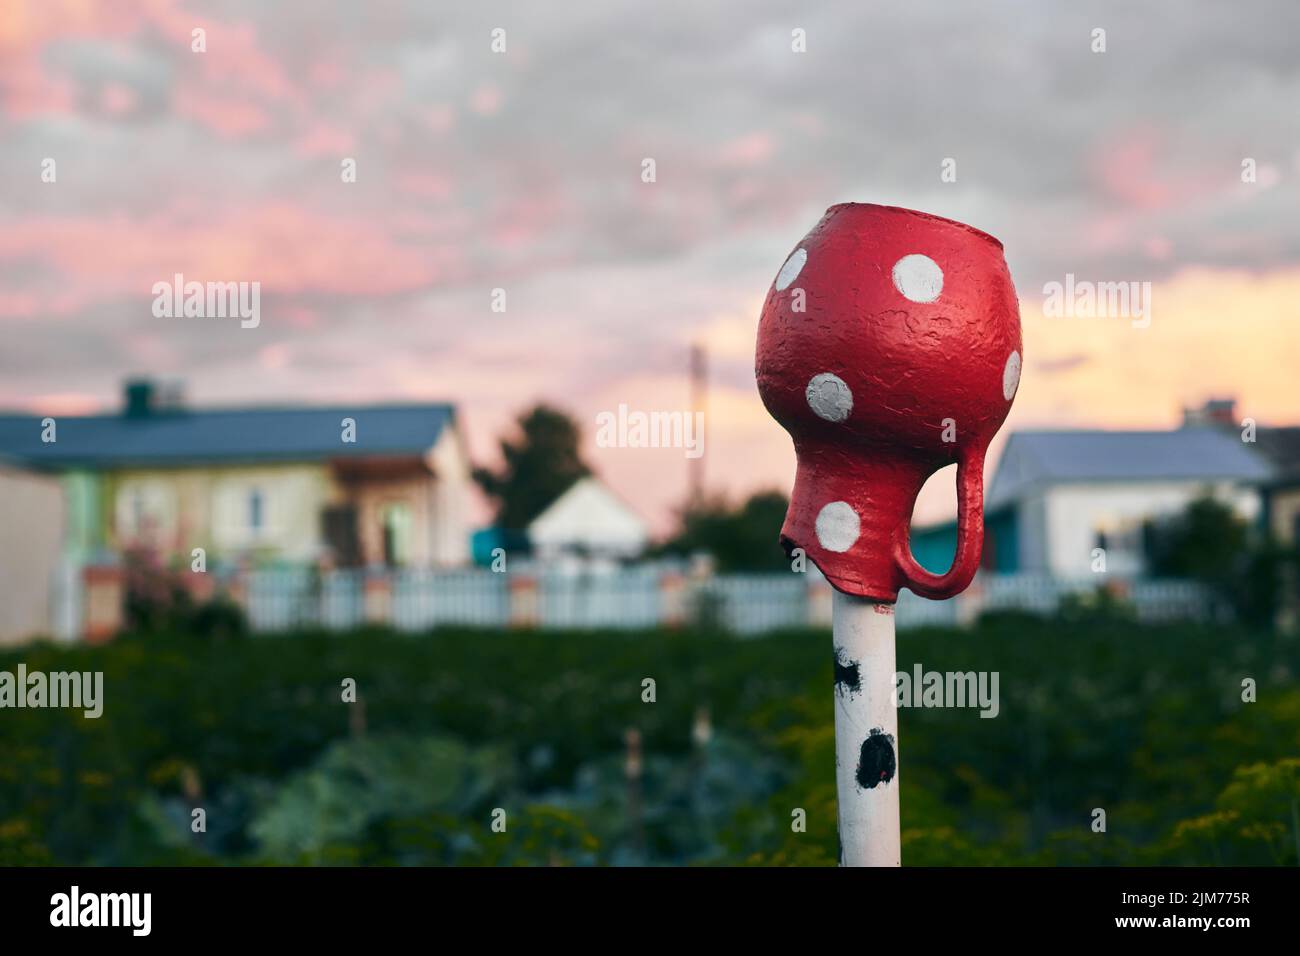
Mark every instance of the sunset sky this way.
pixel 522 170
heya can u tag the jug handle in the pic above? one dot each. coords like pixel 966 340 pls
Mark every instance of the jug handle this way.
pixel 970 536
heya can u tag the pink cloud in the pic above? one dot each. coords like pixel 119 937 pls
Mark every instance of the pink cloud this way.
pixel 232 88
pixel 53 403
pixel 274 357
pixel 1127 170
pixel 257 73
pixel 486 100
pixel 746 151
pixel 425 184
pixel 523 220
pixel 27 89
pixel 326 74
pixel 1158 247
pixel 288 249
pixel 324 139
pixel 230 117
pixel 1138 169
pixel 300 317
pixel 441 119
pixel 117 99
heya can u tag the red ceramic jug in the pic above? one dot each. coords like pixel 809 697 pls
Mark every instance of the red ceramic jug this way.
pixel 889 346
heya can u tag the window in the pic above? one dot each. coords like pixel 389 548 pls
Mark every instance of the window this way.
pixel 256 509
pixel 139 511
pixel 146 512
pixel 245 512
pixel 396 524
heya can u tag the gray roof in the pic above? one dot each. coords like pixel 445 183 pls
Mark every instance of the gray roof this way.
pixel 1282 447
pixel 229 435
pixel 1035 458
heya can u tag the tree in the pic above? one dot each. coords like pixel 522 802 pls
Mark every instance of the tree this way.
pixel 1209 543
pixel 740 539
pixel 538 466
pixel 1203 543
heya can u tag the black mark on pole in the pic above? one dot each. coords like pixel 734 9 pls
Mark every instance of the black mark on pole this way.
pixel 877 763
pixel 847 674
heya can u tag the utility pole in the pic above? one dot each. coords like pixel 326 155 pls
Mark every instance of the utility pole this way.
pixel 699 376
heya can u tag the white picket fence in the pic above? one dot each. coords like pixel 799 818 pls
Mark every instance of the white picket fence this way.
pixel 425 599
pixel 648 595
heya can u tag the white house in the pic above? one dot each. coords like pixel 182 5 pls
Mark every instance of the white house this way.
pixel 588 520
pixel 1058 495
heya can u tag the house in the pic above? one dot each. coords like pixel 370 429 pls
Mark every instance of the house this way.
pixel 349 485
pixel 1282 494
pixel 31 534
pixel 1282 511
pixel 1057 496
pixel 588 521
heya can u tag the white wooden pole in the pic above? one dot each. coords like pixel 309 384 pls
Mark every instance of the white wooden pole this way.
pixel 866 731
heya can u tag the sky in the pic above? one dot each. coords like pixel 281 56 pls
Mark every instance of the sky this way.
pixel 1171 157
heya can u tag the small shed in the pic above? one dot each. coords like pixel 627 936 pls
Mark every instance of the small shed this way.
pixel 588 520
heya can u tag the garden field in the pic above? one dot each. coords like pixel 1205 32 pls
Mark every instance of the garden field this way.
pixel 456 734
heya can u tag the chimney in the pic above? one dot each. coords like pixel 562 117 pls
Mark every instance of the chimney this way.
pixel 144 397
pixel 138 398
pixel 1216 411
